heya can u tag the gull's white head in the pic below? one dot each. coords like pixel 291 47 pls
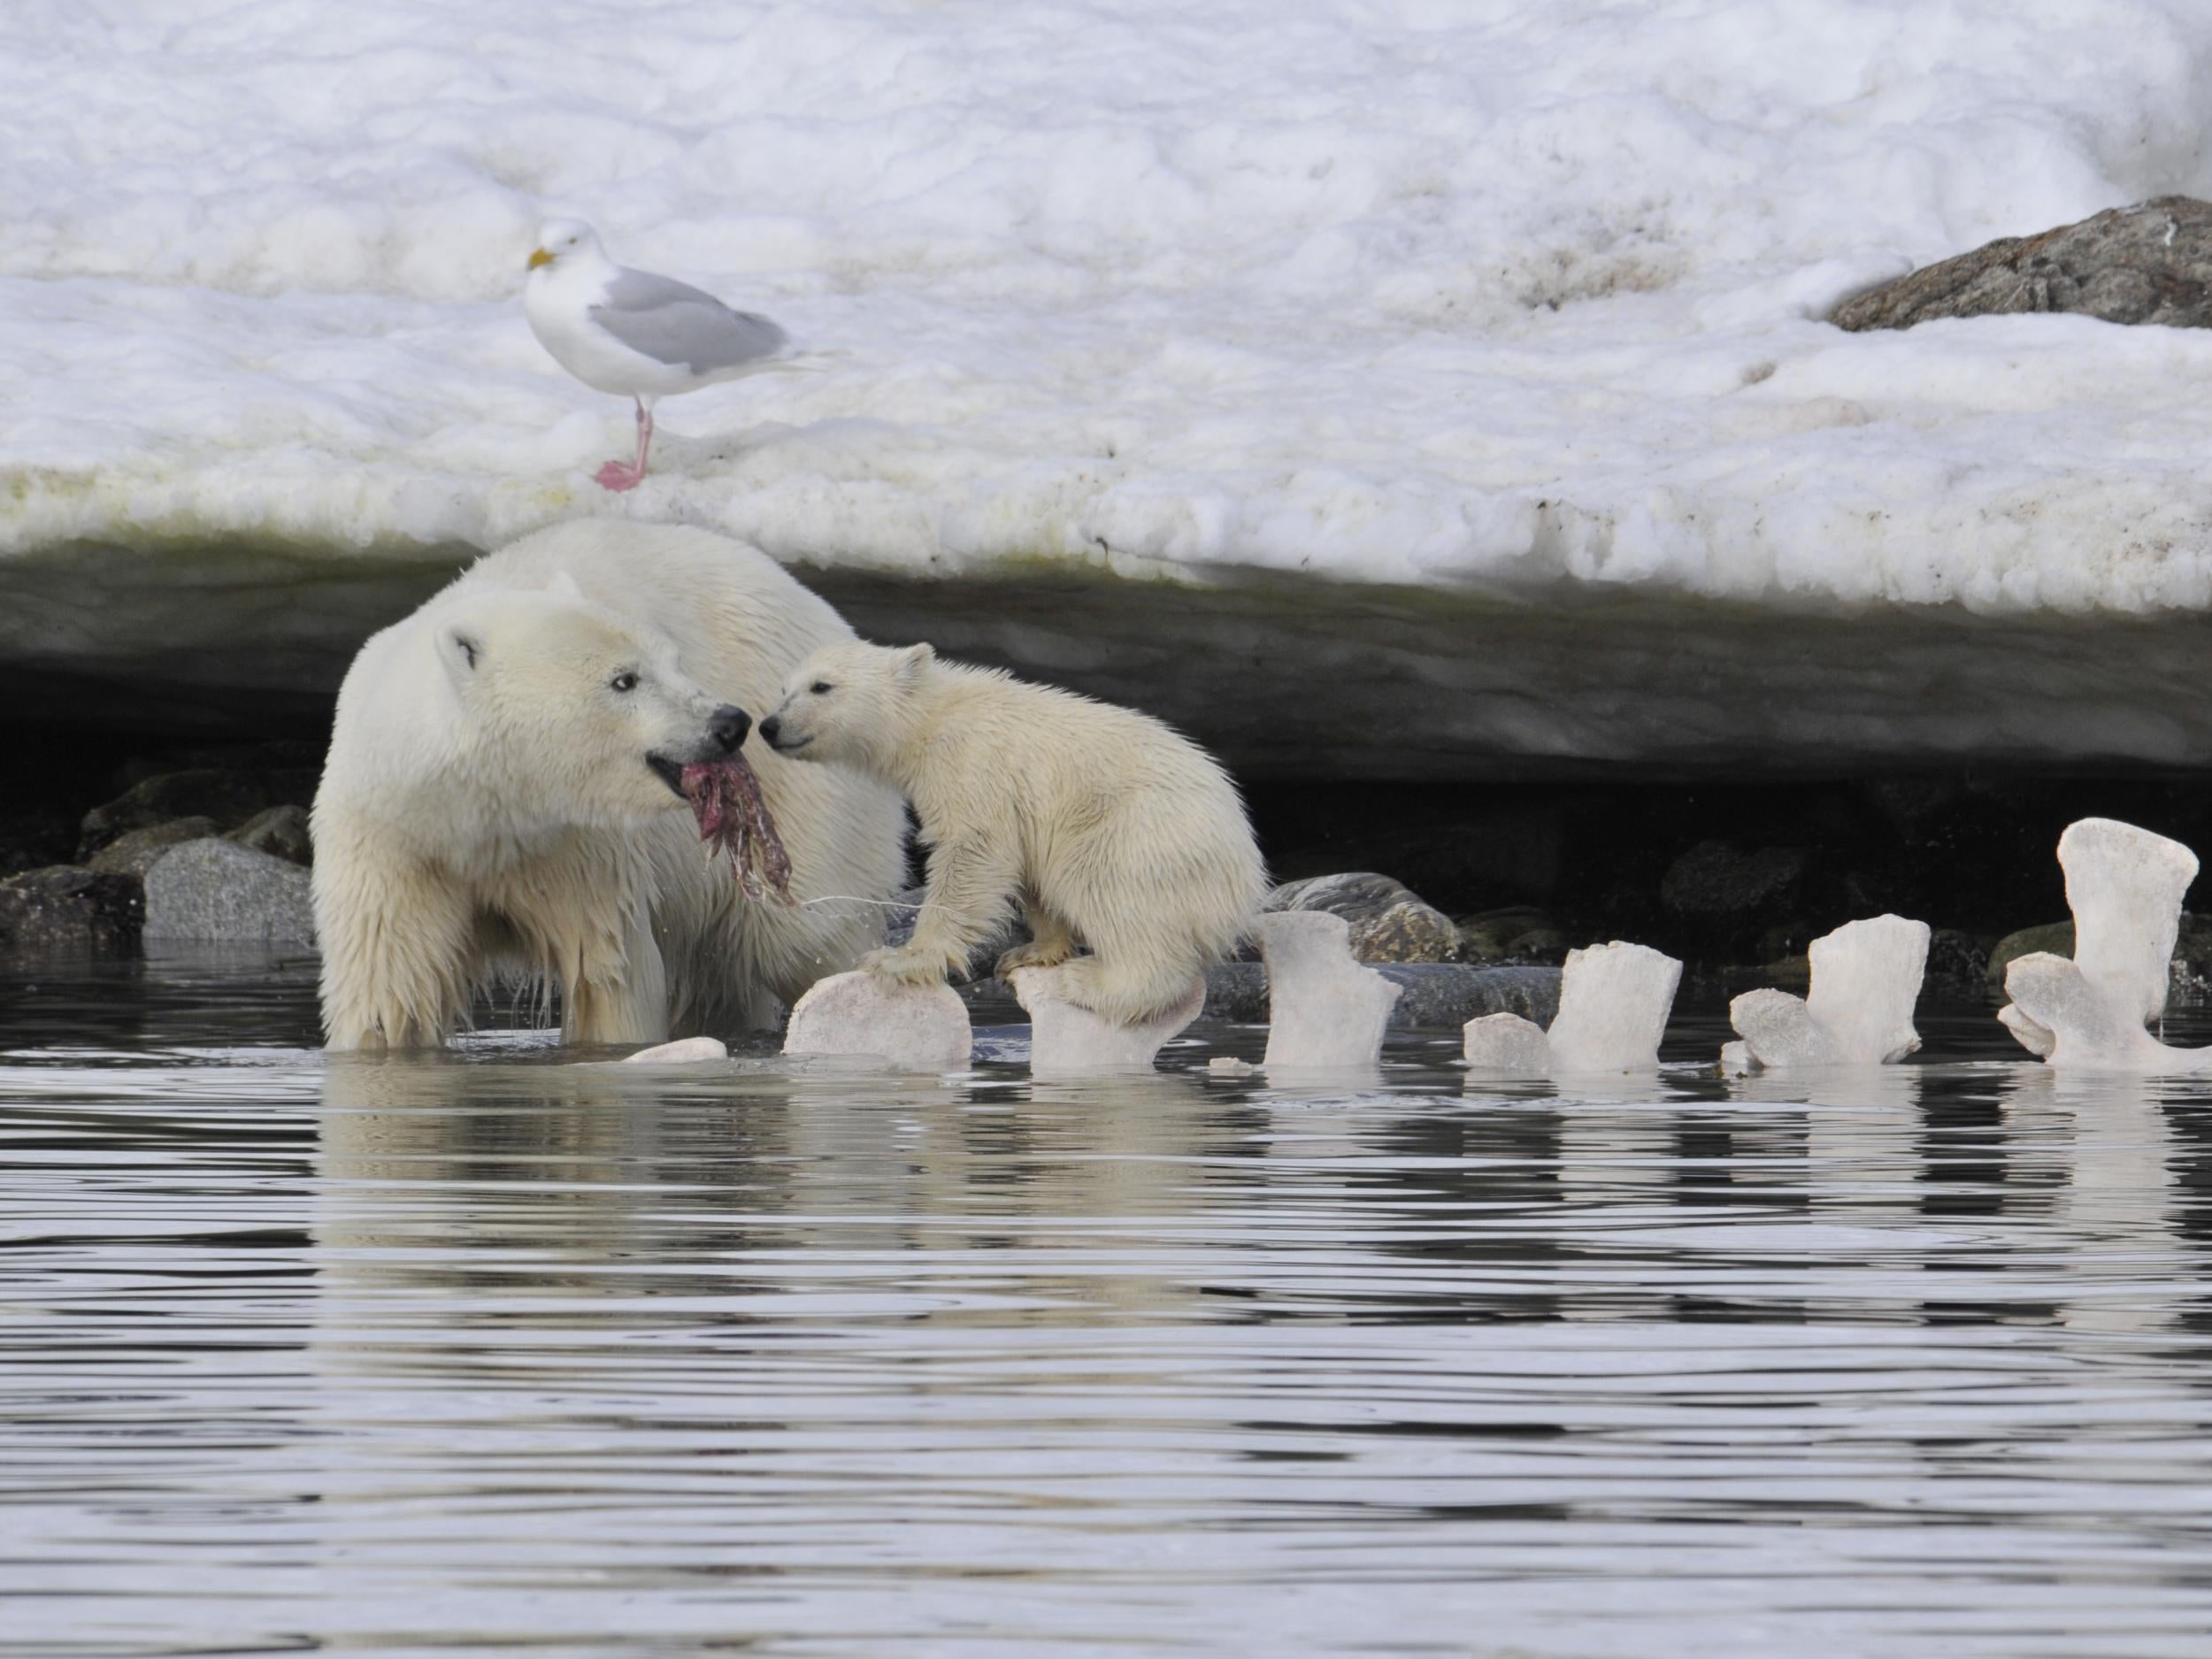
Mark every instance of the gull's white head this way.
pixel 561 239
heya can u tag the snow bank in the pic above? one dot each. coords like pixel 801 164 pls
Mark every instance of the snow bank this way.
pixel 1436 291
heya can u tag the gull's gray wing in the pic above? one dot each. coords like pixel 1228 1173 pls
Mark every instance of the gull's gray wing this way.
pixel 675 323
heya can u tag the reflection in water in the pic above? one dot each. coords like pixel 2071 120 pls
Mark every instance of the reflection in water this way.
pixel 411 1356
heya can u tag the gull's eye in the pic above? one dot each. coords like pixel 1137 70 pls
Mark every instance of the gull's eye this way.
pixel 624 681
pixel 821 688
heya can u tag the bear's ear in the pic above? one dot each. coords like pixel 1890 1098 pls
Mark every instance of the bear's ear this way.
pixel 912 660
pixel 564 587
pixel 460 649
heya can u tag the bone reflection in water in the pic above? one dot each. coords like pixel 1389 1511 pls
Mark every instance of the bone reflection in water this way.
pixel 910 1027
pixel 1069 1041
pixel 1614 1001
pixel 1002 1201
pixel 1857 1011
pixel 2113 1186
pixel 1862 1128
pixel 1325 1011
pixel 2124 886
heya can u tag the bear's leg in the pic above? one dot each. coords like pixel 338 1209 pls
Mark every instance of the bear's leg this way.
pixel 1052 942
pixel 398 949
pixel 971 886
pixel 1126 992
pixel 625 1001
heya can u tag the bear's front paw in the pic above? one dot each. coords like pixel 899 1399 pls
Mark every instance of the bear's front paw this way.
pixel 1037 953
pixel 904 965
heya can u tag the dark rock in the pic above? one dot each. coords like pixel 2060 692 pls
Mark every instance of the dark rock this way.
pixel 1715 881
pixel 70 907
pixel 2055 937
pixel 2151 263
pixel 133 852
pixel 1794 974
pixel 229 798
pixel 1518 934
pixel 33 839
pixel 1435 994
pixel 2192 956
pixel 279 753
pixel 281 831
pixel 218 890
pixel 1389 921
pixel 2192 962
pixel 1957 962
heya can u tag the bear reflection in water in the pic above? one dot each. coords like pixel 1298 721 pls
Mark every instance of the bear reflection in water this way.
pixel 601 1198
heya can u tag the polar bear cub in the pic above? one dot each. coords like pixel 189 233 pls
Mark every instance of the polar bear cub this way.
pixel 1107 827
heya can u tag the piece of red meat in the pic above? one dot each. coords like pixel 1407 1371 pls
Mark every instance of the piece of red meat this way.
pixel 724 796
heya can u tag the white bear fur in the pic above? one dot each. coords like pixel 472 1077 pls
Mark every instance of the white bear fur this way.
pixel 486 809
pixel 1105 826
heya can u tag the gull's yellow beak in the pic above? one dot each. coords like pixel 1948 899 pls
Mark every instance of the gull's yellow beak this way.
pixel 538 256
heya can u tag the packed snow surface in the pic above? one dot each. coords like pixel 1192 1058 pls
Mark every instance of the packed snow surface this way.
pixel 1432 291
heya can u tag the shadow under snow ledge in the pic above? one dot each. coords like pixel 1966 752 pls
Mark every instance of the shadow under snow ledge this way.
pixel 229 636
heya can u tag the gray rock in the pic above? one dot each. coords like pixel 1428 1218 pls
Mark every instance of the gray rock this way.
pixel 281 831
pixel 133 852
pixel 2151 263
pixel 227 797
pixel 218 890
pixel 1436 996
pixel 1390 922
pixel 66 907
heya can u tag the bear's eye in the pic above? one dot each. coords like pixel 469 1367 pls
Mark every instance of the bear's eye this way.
pixel 821 688
pixel 624 681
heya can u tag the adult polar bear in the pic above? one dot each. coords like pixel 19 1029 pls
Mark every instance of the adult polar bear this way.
pixel 499 796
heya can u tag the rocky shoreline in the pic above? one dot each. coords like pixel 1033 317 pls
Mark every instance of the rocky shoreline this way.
pixel 102 850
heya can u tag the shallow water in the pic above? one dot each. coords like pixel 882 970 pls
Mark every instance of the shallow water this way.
pixel 500 1352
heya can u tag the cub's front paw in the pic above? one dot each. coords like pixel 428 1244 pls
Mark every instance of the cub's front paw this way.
pixel 904 965
pixel 1049 953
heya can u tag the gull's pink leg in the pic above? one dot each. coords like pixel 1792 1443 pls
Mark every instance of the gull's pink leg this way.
pixel 616 475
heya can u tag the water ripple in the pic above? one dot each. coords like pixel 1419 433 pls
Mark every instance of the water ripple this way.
pixel 500 1352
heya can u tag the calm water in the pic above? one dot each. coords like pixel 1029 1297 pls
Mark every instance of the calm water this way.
pixel 508 1354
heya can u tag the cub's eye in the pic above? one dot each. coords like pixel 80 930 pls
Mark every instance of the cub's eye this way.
pixel 624 681
pixel 821 688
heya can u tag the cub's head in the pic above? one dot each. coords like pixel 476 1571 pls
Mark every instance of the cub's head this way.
pixel 572 715
pixel 847 702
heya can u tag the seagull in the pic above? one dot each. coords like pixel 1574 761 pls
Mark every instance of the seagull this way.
pixel 634 333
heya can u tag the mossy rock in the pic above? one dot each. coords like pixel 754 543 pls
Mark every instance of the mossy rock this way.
pixel 2055 937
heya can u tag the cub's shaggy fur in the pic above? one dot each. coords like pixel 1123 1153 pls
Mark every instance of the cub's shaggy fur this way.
pixel 1105 826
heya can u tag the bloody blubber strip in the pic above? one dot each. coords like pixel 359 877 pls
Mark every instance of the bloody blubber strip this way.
pixel 724 796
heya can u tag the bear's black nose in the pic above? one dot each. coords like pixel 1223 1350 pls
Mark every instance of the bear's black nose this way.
pixel 768 729
pixel 729 725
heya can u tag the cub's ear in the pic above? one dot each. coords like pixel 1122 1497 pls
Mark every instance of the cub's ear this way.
pixel 460 649
pixel 564 587
pixel 912 660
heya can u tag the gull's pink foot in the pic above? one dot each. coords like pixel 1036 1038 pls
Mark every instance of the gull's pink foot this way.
pixel 620 475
